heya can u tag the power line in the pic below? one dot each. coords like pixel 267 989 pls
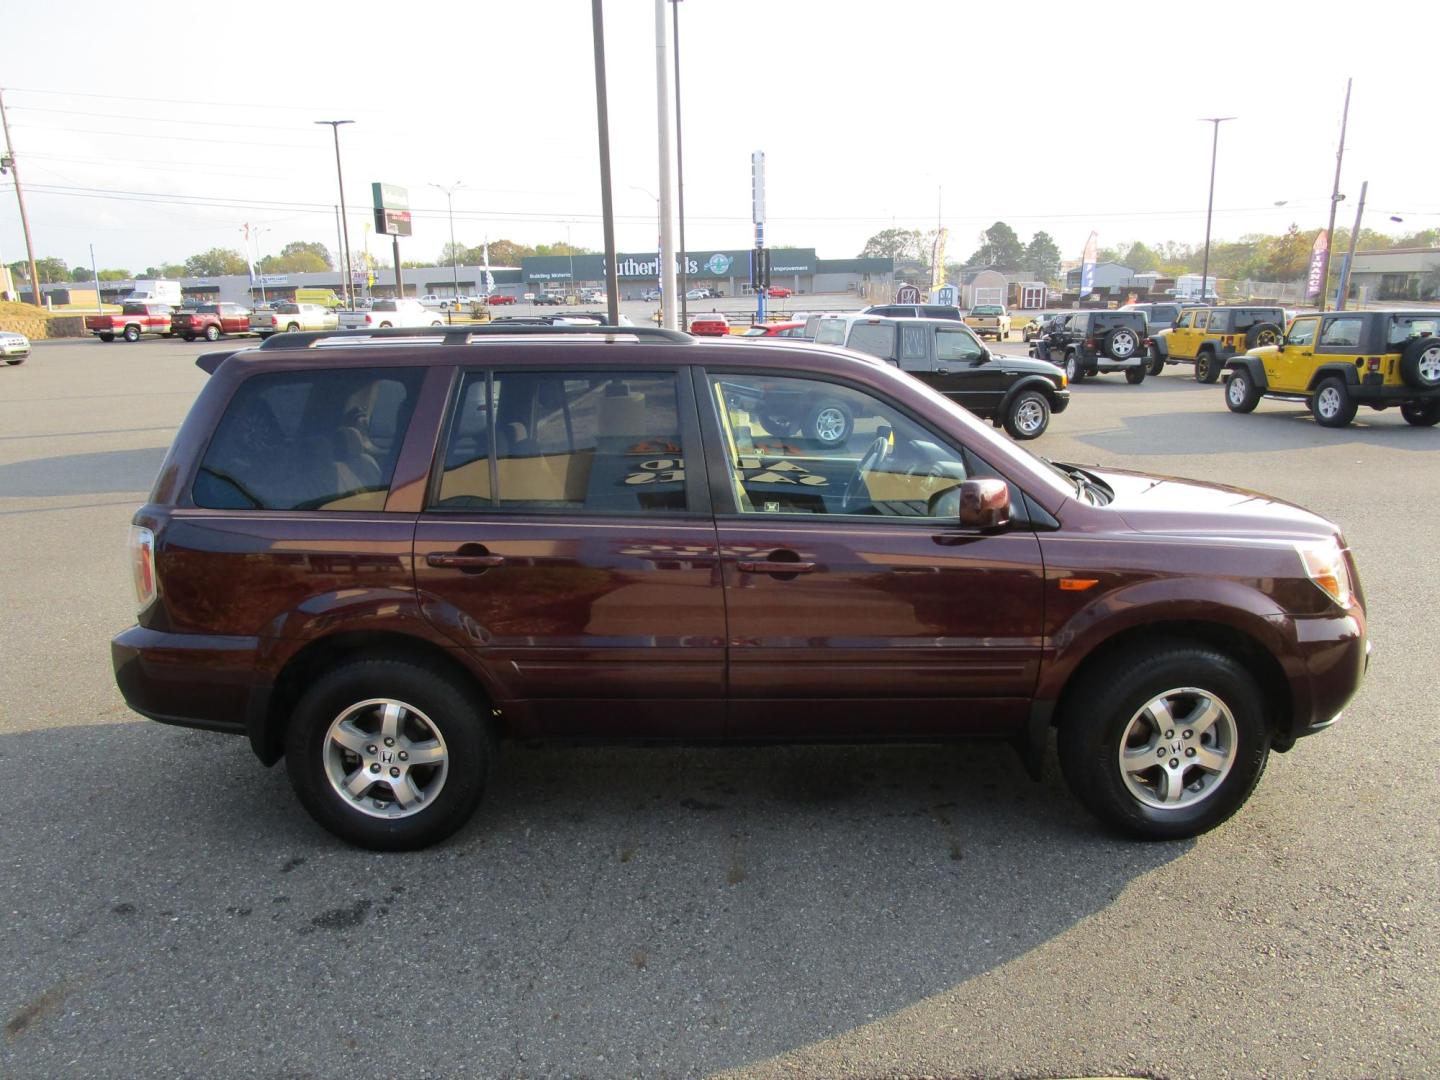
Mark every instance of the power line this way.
pixel 162 101
pixel 147 119
pixel 172 138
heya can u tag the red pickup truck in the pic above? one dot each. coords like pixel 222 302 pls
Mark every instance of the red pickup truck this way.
pixel 211 321
pixel 134 319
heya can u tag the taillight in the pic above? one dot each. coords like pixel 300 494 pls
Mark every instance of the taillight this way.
pixel 1373 363
pixel 1149 341
pixel 142 564
pixel 1090 343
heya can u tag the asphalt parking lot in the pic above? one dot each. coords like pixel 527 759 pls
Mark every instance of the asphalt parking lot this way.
pixel 796 912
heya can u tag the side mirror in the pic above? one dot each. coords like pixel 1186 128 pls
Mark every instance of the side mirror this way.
pixel 985 356
pixel 984 504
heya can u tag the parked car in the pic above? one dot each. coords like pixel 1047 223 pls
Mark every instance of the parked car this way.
pixel 211 321
pixel 285 317
pixel 698 294
pixel 1095 342
pixel 651 296
pixel 1038 326
pixel 136 319
pixel 14 347
pixel 432 300
pixel 916 311
pixel 1209 336
pixel 989 320
pixel 1338 361
pixel 374 561
pixel 387 313
pixel 778 292
pixel 709 324
pixel 1014 391
pixel 496 299
pixel 528 297
pixel 777 329
pixel 554 299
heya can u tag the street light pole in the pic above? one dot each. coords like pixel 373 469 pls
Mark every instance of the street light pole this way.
pixel 449 202
pixel 1210 204
pixel 1335 198
pixel 7 161
pixel 680 168
pixel 345 224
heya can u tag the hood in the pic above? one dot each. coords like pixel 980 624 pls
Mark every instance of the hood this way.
pixel 1263 351
pixel 1162 504
pixel 1025 365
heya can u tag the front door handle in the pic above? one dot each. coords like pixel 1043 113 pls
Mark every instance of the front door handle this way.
pixel 767 566
pixel 456 560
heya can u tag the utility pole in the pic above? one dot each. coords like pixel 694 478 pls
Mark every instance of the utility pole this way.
pixel 449 202
pixel 607 209
pixel 95 273
pixel 1335 198
pixel 1350 255
pixel 345 224
pixel 668 308
pixel 8 162
pixel 1210 205
pixel 680 169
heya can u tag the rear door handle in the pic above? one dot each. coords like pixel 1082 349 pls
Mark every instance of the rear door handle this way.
pixel 765 566
pixel 457 561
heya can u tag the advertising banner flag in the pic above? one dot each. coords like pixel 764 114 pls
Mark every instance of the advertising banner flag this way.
pixel 1313 284
pixel 1087 265
pixel 937 261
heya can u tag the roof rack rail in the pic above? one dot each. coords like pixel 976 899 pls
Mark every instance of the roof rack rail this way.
pixel 461 335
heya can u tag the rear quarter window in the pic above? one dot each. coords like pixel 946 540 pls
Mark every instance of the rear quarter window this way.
pixel 311 440
pixel 875 339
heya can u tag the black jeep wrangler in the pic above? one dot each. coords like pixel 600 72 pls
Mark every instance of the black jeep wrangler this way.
pixel 1093 342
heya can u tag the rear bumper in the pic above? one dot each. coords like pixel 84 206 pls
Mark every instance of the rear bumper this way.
pixel 191 680
pixel 1390 395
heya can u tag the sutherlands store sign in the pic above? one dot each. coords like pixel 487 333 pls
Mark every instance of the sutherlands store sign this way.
pixel 702 265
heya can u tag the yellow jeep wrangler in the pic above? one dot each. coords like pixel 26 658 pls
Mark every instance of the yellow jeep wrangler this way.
pixel 1338 361
pixel 1209 336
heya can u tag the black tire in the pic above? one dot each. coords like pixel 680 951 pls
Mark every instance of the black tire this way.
pixel 1109 699
pixel 1074 367
pixel 829 422
pixel 1028 415
pixel 451 709
pixel 384 326
pixel 15 361
pixel 1420 363
pixel 1331 404
pixel 292 328
pixel 776 424
pixel 1156 363
pixel 212 333
pixel 1120 343
pixel 132 333
pixel 1207 368
pixel 1265 333
pixel 188 337
pixel 1135 375
pixel 1241 393
pixel 106 337
pixel 1416 413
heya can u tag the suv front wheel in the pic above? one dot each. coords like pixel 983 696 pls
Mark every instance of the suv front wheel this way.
pixel 389 754
pixel 1166 746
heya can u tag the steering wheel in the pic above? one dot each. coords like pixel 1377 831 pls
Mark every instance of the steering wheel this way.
pixel 856 493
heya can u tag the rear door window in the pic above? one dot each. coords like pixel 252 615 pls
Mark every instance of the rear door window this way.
pixel 554 441
pixel 1341 332
pixel 312 440
pixel 876 339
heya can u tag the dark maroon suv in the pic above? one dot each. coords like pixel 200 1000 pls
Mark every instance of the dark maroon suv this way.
pixel 376 555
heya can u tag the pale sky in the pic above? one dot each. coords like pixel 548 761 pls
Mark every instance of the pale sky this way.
pixel 1062 117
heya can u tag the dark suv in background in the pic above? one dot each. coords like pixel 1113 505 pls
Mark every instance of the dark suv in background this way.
pixel 1095 342
pixel 376 554
pixel 915 311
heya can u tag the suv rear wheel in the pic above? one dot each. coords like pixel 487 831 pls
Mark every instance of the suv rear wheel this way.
pixel 1421 413
pixel 389 754
pixel 1331 404
pixel 1166 745
pixel 1207 368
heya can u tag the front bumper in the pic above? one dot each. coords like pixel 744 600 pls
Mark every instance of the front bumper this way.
pixel 10 348
pixel 191 680
pixel 1326 669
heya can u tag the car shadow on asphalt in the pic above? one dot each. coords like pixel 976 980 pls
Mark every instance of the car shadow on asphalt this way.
pixel 101 473
pixel 610 911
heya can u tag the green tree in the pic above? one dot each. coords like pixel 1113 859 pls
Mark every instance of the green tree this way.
pixel 503 253
pixel 1042 256
pixel 115 275
pixel 79 273
pixel 893 244
pixel 215 262
pixel 1140 258
pixel 1000 248
pixel 164 270
pixel 561 247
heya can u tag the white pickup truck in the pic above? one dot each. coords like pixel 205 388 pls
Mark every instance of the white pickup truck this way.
pixel 290 317
pixel 384 313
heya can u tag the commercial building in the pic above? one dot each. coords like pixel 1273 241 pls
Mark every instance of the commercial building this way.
pixel 1395 274
pixel 727 272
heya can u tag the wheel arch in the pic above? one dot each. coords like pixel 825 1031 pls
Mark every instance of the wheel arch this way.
pixel 1252 366
pixel 1045 386
pixel 1346 373
pixel 1246 649
pixel 269 719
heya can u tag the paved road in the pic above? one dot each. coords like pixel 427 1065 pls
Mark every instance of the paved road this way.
pixel 768 913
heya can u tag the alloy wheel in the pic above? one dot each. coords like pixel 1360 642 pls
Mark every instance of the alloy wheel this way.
pixel 1178 748
pixel 385 758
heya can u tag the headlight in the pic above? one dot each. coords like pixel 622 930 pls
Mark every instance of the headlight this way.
pixel 1325 565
